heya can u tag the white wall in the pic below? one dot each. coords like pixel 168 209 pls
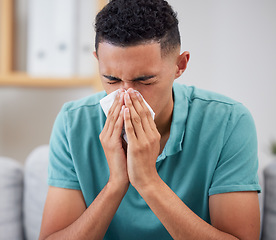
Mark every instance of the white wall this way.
pixel 232 46
pixel 27 116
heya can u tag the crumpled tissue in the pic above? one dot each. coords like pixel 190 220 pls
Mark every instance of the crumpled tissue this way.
pixel 107 102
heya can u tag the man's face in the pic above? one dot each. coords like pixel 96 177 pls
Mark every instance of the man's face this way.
pixel 142 68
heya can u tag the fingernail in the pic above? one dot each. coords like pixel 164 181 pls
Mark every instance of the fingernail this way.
pixel 137 93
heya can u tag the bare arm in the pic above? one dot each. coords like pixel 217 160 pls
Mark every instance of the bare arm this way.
pixel 237 213
pixel 65 214
pixel 66 217
pixel 233 215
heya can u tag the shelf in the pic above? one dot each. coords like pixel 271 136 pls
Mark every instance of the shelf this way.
pixel 9 77
pixel 24 80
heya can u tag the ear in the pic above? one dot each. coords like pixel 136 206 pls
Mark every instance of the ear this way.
pixel 182 62
pixel 95 55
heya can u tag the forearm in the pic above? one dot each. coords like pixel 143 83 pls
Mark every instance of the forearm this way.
pixel 94 222
pixel 176 217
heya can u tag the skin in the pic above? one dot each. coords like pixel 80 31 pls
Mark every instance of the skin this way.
pixel 131 64
pixel 142 68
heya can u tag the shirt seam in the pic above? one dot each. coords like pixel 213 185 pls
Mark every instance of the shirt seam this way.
pixel 82 106
pixel 215 100
pixel 69 106
pixel 234 188
pixel 63 180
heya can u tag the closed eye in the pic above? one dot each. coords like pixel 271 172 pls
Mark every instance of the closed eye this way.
pixel 145 80
pixel 147 83
pixel 112 79
pixel 142 79
pixel 112 82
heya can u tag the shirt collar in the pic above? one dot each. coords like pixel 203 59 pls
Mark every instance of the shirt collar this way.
pixel 177 130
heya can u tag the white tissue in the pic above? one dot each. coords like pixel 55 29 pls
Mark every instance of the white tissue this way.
pixel 107 102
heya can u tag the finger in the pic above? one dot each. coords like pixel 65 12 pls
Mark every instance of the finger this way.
pixel 141 109
pixel 134 117
pixel 148 116
pixel 131 136
pixel 116 101
pixel 119 124
pixel 114 113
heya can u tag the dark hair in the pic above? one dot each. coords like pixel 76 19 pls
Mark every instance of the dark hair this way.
pixel 132 22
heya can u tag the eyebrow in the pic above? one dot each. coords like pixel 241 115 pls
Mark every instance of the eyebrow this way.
pixel 141 78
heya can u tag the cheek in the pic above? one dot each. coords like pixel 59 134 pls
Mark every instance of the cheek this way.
pixel 109 88
pixel 152 97
pixel 158 96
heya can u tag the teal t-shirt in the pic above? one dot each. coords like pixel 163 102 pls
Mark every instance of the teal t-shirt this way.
pixel 212 149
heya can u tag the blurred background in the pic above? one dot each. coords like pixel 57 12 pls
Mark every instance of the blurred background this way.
pixel 232 46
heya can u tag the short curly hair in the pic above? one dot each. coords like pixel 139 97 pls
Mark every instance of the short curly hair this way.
pixel 131 22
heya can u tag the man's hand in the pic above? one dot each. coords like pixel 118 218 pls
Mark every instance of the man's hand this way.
pixel 143 140
pixel 111 141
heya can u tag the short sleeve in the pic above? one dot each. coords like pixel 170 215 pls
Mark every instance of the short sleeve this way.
pixel 61 170
pixel 237 167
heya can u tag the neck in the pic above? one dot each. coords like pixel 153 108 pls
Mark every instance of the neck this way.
pixel 164 120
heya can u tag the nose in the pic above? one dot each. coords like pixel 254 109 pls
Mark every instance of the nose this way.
pixel 127 85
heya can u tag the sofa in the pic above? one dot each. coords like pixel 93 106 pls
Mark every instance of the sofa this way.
pixel 23 191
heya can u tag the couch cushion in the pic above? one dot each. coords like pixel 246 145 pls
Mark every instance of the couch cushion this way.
pixel 11 189
pixel 35 190
pixel 269 216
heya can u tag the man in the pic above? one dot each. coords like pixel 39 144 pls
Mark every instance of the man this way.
pixel 191 173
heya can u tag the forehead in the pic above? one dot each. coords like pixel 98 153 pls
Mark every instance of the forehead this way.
pixel 133 58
